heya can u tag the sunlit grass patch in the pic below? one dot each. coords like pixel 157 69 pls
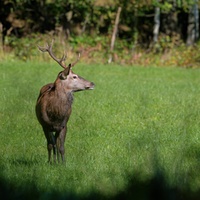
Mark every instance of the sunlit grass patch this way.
pixel 136 122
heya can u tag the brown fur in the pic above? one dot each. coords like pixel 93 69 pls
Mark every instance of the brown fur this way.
pixel 54 106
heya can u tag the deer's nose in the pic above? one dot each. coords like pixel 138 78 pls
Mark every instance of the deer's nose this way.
pixel 90 87
pixel 93 85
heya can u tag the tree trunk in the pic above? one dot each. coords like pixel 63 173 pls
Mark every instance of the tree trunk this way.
pixel 193 24
pixel 114 34
pixel 156 25
pixel 196 14
pixel 135 29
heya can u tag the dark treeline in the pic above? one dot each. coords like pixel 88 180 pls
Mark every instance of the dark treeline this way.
pixel 142 22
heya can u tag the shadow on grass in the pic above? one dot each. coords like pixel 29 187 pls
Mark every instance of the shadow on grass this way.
pixel 153 189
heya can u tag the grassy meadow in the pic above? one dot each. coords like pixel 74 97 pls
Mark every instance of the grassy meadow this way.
pixel 137 123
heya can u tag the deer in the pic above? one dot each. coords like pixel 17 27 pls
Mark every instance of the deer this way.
pixel 54 104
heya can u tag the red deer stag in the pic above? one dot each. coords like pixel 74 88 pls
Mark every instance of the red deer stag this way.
pixel 54 104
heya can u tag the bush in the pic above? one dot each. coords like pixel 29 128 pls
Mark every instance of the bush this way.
pixel 167 52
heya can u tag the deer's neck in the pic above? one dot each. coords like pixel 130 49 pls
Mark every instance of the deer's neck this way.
pixel 63 94
pixel 69 97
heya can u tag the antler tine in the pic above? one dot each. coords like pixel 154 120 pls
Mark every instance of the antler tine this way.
pixel 78 58
pixel 63 57
pixel 43 49
pixel 48 49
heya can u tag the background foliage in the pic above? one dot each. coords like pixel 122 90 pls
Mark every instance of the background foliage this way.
pixel 87 26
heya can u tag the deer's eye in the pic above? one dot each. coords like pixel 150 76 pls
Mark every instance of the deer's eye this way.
pixel 74 77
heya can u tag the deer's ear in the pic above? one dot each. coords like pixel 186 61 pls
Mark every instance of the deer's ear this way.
pixel 65 73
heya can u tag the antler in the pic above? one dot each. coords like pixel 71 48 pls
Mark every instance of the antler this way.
pixel 48 49
pixel 79 55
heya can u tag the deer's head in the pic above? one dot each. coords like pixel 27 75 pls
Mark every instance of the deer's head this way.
pixel 67 78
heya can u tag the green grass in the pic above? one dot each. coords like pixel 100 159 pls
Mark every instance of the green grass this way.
pixel 138 121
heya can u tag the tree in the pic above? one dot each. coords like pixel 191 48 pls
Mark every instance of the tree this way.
pixel 193 24
pixel 156 24
pixel 5 10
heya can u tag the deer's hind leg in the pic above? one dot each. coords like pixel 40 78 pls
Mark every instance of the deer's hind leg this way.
pixel 51 145
pixel 60 140
pixel 57 145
